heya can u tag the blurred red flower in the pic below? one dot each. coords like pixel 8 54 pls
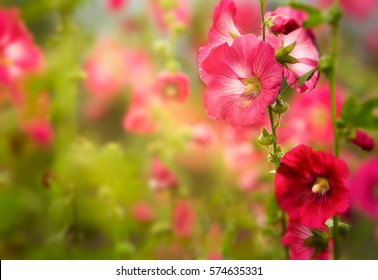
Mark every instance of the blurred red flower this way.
pixel 183 219
pixel 161 177
pixel 172 86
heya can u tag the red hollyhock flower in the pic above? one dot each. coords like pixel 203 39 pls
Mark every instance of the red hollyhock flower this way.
pixel 172 86
pixel 243 79
pixel 183 219
pixel 309 186
pixel 295 236
pixel 363 140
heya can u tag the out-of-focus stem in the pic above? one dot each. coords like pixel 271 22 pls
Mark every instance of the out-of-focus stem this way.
pixel 336 137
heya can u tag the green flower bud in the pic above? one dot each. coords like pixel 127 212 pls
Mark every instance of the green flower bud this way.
pixel 280 107
pixel 265 138
pixel 325 64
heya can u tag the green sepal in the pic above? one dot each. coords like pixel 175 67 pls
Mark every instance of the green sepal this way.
pixel 283 56
pixel 305 77
pixel 318 240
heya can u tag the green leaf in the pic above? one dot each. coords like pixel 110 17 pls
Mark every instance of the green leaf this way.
pixel 305 77
pixel 361 115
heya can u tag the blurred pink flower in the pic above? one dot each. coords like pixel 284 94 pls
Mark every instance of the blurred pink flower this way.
pixel 364 188
pixel 176 11
pixel 243 80
pixel 310 186
pixel 363 140
pixel 40 131
pixel 115 5
pixel 203 134
pixel 183 219
pixel 138 116
pixel 172 86
pixel 161 177
pixel 303 56
pixel 285 20
pixel 295 235
pixel 18 53
pixel 371 41
pixel 142 212
pixel 106 67
pixel 359 9
pixel 309 118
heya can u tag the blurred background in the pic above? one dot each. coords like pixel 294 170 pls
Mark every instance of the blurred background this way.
pixel 106 151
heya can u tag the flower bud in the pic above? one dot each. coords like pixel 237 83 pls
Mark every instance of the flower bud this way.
pixel 280 107
pixel 265 138
pixel 325 65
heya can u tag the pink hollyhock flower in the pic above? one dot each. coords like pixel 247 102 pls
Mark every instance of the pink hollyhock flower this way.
pixel 244 80
pixel 203 134
pixel 309 186
pixel 299 55
pixel 294 238
pixel 363 140
pixel 364 188
pixel 140 70
pixel 40 131
pixel 138 117
pixel 106 67
pixel 172 86
pixel 309 119
pixel 285 20
pixel 115 5
pixel 358 9
pixel 161 177
pixel 18 53
pixel 183 219
pixel 142 212
pixel 223 30
pixel 247 16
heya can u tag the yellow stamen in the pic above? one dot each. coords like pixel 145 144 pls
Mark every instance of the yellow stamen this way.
pixel 252 86
pixel 321 185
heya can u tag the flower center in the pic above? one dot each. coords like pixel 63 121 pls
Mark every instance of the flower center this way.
pixel 170 91
pixel 252 86
pixel 321 185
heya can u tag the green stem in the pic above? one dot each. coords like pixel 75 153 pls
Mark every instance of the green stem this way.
pixel 274 129
pixel 288 87
pixel 336 137
pixel 262 12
